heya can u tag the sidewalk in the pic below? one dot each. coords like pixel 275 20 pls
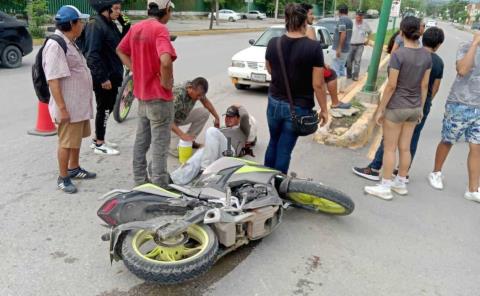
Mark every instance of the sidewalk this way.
pixel 183 25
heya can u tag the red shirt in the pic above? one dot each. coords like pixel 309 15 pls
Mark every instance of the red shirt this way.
pixel 145 42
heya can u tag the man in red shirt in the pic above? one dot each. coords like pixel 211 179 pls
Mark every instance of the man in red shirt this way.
pixel 148 51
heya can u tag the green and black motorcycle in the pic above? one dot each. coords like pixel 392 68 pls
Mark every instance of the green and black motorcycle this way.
pixel 171 236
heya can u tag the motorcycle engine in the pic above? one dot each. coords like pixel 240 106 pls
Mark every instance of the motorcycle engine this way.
pixel 250 192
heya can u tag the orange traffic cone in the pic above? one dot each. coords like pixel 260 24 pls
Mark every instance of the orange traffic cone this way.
pixel 45 126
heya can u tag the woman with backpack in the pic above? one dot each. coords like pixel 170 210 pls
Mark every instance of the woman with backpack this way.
pixel 296 65
pixel 401 107
pixel 101 38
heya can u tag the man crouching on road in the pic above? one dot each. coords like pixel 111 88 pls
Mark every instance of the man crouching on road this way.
pixel 238 128
pixel 186 96
pixel 70 84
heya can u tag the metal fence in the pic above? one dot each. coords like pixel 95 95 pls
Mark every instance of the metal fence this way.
pixel 13 7
pixel 82 5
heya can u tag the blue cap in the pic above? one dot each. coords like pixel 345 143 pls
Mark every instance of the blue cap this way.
pixel 68 13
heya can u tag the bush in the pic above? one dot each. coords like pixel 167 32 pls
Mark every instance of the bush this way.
pixel 36 32
pixel 38 17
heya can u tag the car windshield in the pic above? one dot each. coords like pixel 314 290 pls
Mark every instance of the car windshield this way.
pixel 330 25
pixel 269 34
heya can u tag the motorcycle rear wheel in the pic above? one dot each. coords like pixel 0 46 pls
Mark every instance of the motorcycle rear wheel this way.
pixel 124 100
pixel 163 264
pixel 319 198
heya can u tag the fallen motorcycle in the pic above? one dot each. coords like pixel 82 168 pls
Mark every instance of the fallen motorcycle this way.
pixel 171 236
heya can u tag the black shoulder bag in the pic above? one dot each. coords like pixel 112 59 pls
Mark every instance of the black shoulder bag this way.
pixel 302 125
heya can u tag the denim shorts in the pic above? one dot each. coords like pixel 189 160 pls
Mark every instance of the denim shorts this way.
pixel 461 120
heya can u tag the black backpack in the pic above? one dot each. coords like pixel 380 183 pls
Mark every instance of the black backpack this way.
pixel 40 83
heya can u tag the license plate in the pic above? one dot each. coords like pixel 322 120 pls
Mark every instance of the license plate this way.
pixel 258 77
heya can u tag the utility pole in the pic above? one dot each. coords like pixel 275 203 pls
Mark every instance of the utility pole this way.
pixel 370 86
pixel 323 10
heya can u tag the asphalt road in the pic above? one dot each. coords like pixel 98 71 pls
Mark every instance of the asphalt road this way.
pixel 422 244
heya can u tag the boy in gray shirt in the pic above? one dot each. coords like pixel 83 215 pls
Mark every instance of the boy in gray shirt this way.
pixel 462 118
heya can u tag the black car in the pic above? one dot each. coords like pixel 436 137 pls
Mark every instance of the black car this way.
pixel 476 26
pixel 15 41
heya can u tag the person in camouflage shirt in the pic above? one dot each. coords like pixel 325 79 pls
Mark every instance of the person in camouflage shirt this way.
pixel 186 96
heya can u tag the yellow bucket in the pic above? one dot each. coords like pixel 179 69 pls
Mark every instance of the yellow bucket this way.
pixel 185 151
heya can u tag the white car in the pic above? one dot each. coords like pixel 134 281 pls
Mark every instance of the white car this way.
pixel 226 15
pixel 248 66
pixel 255 15
pixel 430 23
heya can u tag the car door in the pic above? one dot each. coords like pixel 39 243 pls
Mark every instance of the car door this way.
pixel 326 39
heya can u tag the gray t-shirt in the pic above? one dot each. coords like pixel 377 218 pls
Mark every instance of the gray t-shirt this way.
pixel 466 89
pixel 238 134
pixel 344 24
pixel 360 32
pixel 412 64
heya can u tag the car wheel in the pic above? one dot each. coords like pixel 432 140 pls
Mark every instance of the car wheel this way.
pixel 241 86
pixel 230 19
pixel 11 57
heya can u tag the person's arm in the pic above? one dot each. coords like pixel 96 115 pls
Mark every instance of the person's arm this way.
pixel 387 94
pixel 318 83
pixel 209 106
pixel 424 85
pixel 269 68
pixel 57 95
pixel 311 33
pixel 124 58
pixel 181 134
pixel 343 36
pixel 435 87
pixel 244 120
pixel 466 63
pixel 123 51
pixel 94 38
pixel 166 71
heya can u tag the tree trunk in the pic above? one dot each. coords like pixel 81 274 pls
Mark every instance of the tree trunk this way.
pixel 216 11
pixel 212 13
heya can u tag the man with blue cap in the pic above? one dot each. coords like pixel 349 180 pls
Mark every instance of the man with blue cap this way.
pixel 70 84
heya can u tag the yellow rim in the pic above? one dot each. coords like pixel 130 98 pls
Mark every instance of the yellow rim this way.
pixel 193 246
pixel 318 203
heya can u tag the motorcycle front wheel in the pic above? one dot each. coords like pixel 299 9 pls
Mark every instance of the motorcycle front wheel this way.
pixel 319 198
pixel 124 100
pixel 173 261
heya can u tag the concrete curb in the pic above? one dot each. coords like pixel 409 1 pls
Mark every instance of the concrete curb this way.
pixel 216 31
pixel 361 131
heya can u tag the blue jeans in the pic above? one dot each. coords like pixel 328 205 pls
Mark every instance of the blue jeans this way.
pixel 282 136
pixel 377 162
pixel 338 64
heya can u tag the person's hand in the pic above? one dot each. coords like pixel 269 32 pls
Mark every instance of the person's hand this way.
pixel 338 53
pixel 186 137
pixel 107 85
pixel 64 116
pixel 420 118
pixel 379 116
pixel 216 123
pixel 476 38
pixel 323 117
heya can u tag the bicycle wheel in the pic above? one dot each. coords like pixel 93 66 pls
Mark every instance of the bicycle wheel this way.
pixel 124 100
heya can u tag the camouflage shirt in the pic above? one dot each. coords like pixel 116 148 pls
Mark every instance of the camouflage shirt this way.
pixel 183 104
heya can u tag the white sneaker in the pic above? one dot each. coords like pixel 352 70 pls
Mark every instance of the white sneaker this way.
pixel 109 144
pixel 473 196
pixel 105 150
pixel 399 186
pixel 382 191
pixel 436 180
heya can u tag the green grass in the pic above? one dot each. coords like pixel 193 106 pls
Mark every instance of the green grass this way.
pixel 389 34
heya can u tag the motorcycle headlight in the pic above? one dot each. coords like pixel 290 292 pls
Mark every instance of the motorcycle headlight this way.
pixel 238 64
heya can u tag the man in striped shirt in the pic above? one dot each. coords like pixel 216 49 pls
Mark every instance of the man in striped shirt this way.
pixel 70 84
